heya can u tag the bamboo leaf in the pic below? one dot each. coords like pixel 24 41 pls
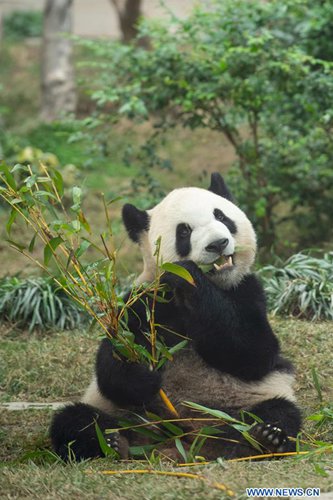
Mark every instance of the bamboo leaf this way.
pixel 45 194
pixel 82 248
pixel 178 271
pixel 32 243
pixel 84 221
pixel 211 411
pixel 76 194
pixel 18 246
pixel 19 167
pixel 8 176
pixel 50 248
pixel 181 449
pixel 58 182
pixel 31 180
pixel 11 219
pixel 108 452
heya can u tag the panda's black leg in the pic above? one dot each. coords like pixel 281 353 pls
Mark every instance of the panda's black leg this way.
pixel 281 419
pixel 73 433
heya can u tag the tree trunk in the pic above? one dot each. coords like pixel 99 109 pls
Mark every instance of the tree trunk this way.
pixel 1 24
pixel 128 12
pixel 58 86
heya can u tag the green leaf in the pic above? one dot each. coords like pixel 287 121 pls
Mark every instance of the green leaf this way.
pixel 108 452
pixel 58 182
pixel 75 224
pixel 174 429
pixel 181 449
pixel 18 167
pixel 140 451
pixel 211 411
pixel 31 180
pixel 18 246
pixel 179 271
pixel 11 219
pixel 82 248
pixel 50 248
pixel 252 441
pixel 46 194
pixel 76 194
pixel 81 217
pixel 32 243
pixel 8 176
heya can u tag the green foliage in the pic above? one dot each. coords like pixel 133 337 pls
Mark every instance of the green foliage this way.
pixel 302 286
pixel 252 71
pixel 38 304
pixel 35 195
pixel 23 24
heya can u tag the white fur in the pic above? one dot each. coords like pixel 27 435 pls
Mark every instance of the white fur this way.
pixel 195 207
pixel 93 397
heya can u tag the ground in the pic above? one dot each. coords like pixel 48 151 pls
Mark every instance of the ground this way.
pixel 57 367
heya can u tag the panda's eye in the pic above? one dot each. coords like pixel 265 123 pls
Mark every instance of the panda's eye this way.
pixel 219 215
pixel 184 230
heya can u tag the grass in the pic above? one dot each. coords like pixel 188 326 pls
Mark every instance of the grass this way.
pixel 58 368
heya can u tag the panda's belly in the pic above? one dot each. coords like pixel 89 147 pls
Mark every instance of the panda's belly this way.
pixel 189 378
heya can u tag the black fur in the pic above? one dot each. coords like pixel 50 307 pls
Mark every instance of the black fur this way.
pixel 122 382
pixel 218 186
pixel 229 327
pixel 220 216
pixel 73 431
pixel 135 221
pixel 183 239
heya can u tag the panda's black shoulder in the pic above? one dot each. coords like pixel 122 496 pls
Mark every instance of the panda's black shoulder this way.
pixel 250 288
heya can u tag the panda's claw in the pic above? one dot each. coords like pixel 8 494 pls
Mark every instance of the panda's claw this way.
pixel 270 437
pixel 113 441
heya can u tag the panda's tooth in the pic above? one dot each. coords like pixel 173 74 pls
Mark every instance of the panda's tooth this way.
pixel 216 267
pixel 230 263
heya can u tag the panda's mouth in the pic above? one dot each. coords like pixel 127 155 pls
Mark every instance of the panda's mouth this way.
pixel 224 262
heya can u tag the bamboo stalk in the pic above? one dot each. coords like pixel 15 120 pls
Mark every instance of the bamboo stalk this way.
pixel 168 403
pixel 187 475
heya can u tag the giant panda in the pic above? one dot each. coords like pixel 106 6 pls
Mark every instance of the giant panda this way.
pixel 232 361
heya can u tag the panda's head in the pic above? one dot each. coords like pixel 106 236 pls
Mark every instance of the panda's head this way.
pixel 196 224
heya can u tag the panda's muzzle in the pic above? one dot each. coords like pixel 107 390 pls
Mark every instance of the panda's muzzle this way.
pixel 224 262
pixel 217 246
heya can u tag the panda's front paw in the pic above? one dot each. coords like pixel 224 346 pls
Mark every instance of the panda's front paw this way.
pixel 271 437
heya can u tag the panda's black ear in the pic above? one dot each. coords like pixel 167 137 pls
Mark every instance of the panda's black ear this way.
pixel 136 221
pixel 218 186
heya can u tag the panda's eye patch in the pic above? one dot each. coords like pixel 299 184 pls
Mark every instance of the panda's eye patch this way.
pixel 219 215
pixel 183 230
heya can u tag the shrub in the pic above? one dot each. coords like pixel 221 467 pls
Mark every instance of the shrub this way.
pixel 23 24
pixel 249 70
pixel 37 303
pixel 302 286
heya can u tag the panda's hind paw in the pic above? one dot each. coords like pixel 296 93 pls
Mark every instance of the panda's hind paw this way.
pixel 118 443
pixel 112 440
pixel 271 437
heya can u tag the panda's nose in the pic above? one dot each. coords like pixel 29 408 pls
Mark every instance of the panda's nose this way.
pixel 217 246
